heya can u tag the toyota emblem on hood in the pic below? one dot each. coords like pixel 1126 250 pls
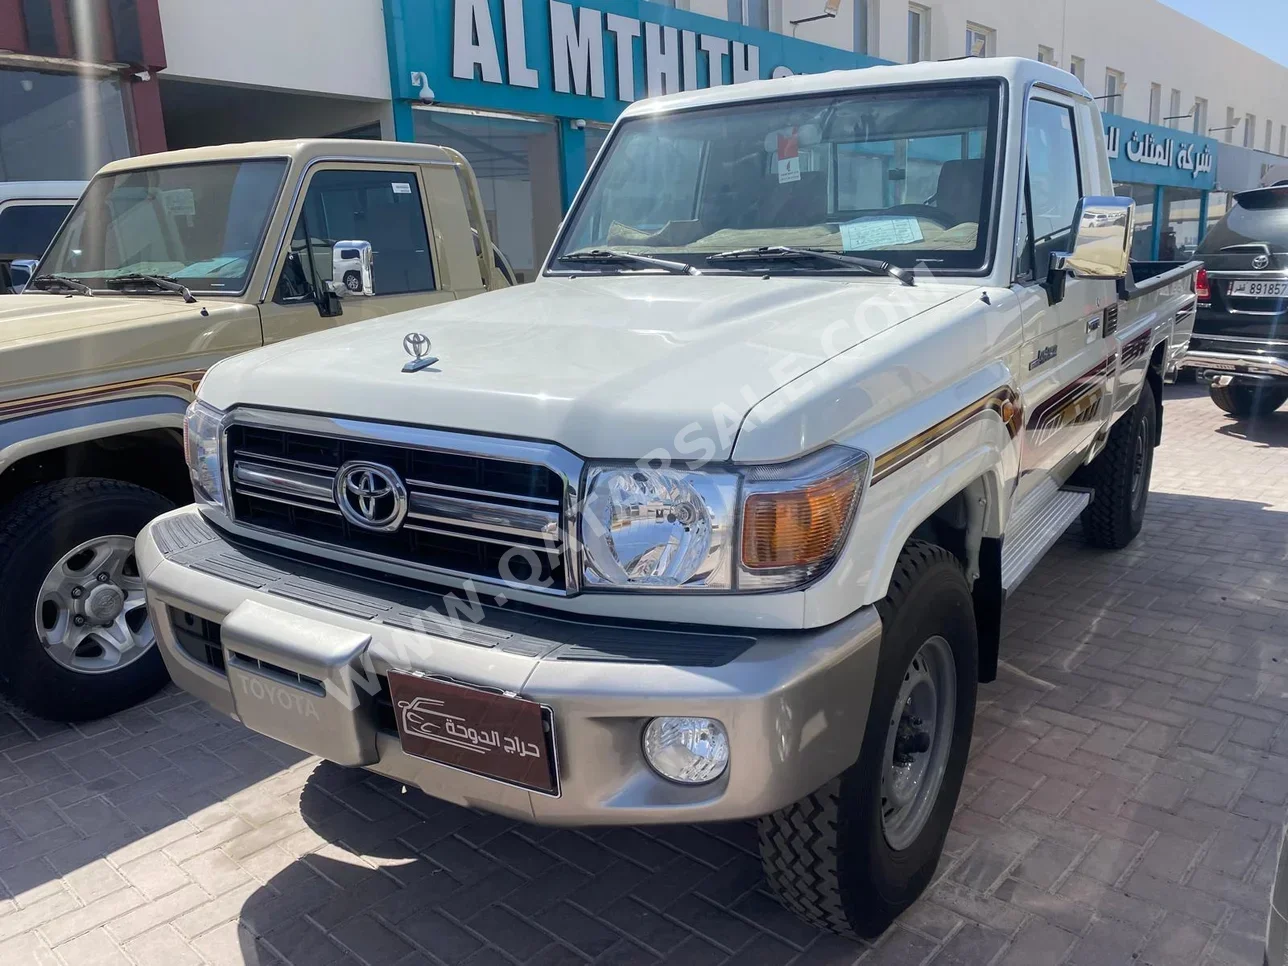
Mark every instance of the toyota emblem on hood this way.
pixel 417 345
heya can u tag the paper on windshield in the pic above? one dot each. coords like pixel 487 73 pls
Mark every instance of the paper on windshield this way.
pixel 179 201
pixel 789 158
pixel 880 231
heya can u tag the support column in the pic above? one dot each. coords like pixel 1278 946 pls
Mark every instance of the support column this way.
pixel 1156 235
pixel 572 161
pixel 149 123
pixel 1203 213
pixel 404 126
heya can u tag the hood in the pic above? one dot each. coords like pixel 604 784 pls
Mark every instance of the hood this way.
pixel 609 367
pixel 58 338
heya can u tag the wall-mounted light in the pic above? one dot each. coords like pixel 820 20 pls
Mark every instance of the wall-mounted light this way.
pixel 830 9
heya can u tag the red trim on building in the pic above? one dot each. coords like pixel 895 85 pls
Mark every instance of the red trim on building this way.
pixel 13 27
pixel 149 13
pixel 63 28
pixel 149 124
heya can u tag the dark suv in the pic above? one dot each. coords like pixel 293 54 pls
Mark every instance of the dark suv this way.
pixel 1240 342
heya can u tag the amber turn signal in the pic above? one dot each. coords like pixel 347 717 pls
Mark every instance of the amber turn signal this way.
pixel 797 528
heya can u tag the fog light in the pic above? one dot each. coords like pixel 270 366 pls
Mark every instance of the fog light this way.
pixel 691 751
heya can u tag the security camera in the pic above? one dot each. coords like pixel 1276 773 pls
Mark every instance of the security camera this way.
pixel 578 125
pixel 427 95
pixel 419 80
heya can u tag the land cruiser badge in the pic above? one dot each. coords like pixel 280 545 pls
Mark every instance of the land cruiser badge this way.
pixel 1045 354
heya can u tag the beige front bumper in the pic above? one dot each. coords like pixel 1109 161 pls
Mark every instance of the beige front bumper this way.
pixel 794 703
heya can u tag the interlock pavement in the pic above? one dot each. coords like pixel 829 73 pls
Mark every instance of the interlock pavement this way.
pixel 1123 805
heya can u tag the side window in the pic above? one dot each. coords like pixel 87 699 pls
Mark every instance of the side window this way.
pixel 380 207
pixel 1054 188
pixel 27 230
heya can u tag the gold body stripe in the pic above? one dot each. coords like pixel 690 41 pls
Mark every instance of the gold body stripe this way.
pixel 1002 401
pixel 186 382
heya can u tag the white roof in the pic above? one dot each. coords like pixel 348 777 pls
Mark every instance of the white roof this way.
pixel 1017 71
pixel 41 190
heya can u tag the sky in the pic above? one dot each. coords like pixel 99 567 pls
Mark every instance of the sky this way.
pixel 1259 24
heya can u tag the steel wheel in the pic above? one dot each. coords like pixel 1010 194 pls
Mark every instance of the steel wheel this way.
pixel 918 743
pixel 91 614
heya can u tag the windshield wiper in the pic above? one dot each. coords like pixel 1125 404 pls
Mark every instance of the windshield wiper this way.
pixel 788 253
pixel 608 256
pixel 164 282
pixel 74 284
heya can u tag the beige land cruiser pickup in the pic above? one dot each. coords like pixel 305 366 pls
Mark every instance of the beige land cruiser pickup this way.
pixel 168 264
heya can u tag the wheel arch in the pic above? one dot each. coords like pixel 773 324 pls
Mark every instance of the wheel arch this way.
pixel 136 441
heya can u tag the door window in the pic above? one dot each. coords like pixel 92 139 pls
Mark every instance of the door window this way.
pixel 380 207
pixel 1054 188
pixel 27 229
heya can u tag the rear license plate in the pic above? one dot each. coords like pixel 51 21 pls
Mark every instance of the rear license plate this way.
pixel 495 735
pixel 1259 290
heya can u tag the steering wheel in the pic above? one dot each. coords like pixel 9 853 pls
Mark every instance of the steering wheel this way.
pixel 940 217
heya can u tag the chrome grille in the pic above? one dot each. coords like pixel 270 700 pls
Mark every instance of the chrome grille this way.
pixel 466 512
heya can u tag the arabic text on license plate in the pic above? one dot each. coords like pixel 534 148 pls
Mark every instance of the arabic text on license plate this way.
pixel 1262 290
pixel 496 735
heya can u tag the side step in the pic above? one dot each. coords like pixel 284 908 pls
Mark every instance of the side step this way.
pixel 1036 530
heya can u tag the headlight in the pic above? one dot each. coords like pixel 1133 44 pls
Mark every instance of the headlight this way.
pixel 658 529
pixel 202 432
pixel 672 529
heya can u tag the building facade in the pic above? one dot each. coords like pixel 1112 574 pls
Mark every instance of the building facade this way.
pixel 78 86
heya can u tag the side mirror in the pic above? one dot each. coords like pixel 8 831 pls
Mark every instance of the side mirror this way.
pixel 1100 246
pixel 20 272
pixel 351 269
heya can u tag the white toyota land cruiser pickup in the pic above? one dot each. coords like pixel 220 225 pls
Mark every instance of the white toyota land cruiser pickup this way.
pixel 716 519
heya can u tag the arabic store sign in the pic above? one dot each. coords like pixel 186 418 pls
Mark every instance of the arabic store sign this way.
pixel 584 60
pixel 1148 154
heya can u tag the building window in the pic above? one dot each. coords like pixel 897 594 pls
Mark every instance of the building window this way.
pixel 862 27
pixel 1142 239
pixel 980 41
pixel 1078 68
pixel 1114 85
pixel 1283 138
pixel 1179 236
pixel 1230 125
pixel 1046 55
pixel 1155 103
pixel 1270 130
pixel 46 132
pixel 1200 116
pixel 1174 109
pixel 918 33
pixel 750 13
pixel 1250 130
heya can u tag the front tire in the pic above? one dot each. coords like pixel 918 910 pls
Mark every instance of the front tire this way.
pixel 1247 401
pixel 1120 476
pixel 79 643
pixel 856 853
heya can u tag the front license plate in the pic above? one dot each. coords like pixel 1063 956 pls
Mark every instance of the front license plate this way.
pixel 495 735
pixel 1259 290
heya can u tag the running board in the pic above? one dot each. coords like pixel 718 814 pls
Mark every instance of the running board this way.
pixel 1037 531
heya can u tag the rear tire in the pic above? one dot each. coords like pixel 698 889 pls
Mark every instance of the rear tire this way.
pixel 1120 477
pixel 830 857
pixel 52 531
pixel 1248 401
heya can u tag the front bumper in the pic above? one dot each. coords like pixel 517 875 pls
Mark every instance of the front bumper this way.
pixel 794 703
pixel 1236 364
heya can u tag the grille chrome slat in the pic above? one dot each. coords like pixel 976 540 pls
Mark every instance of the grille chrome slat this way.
pixel 511 520
pixel 279 480
pixel 471 501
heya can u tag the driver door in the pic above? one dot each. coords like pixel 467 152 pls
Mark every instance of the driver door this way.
pixel 380 204
pixel 1064 364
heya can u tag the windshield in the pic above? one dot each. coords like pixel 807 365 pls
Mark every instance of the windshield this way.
pixel 201 224
pixel 905 176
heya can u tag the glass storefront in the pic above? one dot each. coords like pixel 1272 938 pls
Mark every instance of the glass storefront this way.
pixel 1180 220
pixel 1142 241
pixel 59 127
pixel 516 161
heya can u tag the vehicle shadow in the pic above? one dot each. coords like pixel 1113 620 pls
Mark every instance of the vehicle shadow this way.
pixel 1268 430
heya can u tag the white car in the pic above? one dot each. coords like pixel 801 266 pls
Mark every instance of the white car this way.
pixel 716 519
pixel 30 213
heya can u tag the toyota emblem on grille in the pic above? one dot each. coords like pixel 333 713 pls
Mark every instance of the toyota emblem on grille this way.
pixel 370 496
pixel 1260 261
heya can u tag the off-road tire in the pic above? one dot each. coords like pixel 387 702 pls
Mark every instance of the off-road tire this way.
pixel 1117 510
pixel 1248 401
pixel 36 530
pixel 826 856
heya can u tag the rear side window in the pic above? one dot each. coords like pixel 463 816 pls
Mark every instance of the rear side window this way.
pixel 27 230
pixel 1257 217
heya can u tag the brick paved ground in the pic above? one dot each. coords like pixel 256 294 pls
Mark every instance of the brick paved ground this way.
pixel 1129 778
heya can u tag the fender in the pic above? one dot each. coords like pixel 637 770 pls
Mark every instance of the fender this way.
pixel 38 424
